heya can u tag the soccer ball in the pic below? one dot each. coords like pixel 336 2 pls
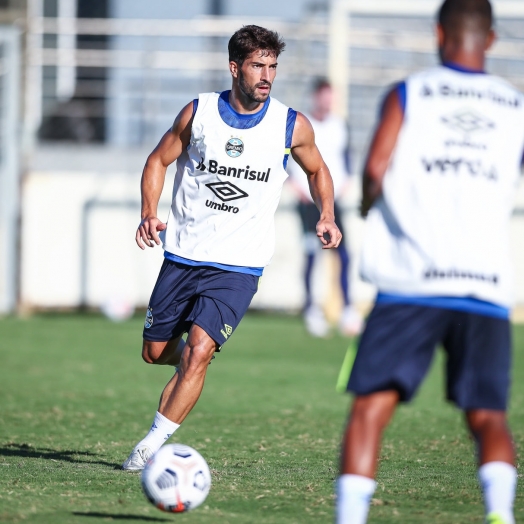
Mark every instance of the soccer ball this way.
pixel 176 478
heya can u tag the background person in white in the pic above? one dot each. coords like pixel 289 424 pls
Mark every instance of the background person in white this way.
pixel 332 138
pixel 220 231
pixel 438 186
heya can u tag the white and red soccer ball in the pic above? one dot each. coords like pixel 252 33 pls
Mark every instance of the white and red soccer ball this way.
pixel 176 478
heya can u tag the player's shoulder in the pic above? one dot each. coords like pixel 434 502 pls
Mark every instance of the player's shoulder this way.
pixel 505 84
pixel 302 122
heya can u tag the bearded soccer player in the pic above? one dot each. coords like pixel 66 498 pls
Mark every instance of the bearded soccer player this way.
pixel 231 150
pixel 437 190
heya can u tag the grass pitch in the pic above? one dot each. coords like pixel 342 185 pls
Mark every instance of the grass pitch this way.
pixel 75 398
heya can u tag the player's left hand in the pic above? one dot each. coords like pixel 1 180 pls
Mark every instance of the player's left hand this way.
pixel 328 233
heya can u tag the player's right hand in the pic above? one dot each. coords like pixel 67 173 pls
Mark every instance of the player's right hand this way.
pixel 147 232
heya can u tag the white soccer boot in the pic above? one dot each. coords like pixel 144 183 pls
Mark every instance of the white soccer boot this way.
pixel 316 322
pixel 138 459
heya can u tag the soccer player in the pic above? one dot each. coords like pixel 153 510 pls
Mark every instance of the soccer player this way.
pixel 332 138
pixel 437 190
pixel 231 150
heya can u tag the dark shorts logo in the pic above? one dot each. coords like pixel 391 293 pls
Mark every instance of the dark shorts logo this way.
pixel 149 318
pixel 226 191
pixel 234 147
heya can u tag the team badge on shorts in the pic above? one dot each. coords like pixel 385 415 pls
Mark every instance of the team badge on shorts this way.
pixel 234 147
pixel 149 318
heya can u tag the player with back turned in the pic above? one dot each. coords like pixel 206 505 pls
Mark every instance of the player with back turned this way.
pixel 231 150
pixel 437 191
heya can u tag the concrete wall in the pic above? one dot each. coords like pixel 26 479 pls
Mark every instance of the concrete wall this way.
pixel 78 244
pixel 78 247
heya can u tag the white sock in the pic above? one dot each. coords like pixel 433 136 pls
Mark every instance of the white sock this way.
pixel 498 481
pixel 354 494
pixel 161 429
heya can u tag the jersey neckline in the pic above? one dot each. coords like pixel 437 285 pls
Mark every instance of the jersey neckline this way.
pixel 461 69
pixel 239 120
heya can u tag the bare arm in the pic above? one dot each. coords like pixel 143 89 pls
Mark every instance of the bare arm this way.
pixel 308 157
pixel 170 147
pixel 380 151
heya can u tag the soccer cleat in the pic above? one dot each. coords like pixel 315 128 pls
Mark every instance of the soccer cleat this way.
pixel 138 459
pixel 495 518
pixel 316 323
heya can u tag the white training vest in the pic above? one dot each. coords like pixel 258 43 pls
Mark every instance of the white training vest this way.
pixel 227 188
pixel 332 140
pixel 441 227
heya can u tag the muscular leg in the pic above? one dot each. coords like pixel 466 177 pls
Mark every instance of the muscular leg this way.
pixel 496 456
pixel 166 353
pixel 491 432
pixel 183 390
pixel 361 445
pixel 355 486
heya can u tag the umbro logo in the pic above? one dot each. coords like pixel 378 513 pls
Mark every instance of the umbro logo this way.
pixel 227 331
pixel 468 121
pixel 226 191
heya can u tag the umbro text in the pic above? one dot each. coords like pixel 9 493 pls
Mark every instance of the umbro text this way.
pixel 221 207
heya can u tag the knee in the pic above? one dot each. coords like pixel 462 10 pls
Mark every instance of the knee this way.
pixel 199 356
pixel 482 420
pixel 152 351
pixel 373 410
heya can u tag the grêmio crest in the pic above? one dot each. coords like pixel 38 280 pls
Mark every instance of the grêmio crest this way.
pixel 234 147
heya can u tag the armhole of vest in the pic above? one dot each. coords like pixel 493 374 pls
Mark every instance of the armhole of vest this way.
pixel 401 90
pixel 290 126
pixel 402 93
pixel 195 107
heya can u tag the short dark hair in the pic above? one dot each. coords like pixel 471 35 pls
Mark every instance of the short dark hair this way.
pixel 321 83
pixel 454 14
pixel 251 38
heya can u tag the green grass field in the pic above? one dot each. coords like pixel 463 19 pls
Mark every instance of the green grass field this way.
pixel 76 397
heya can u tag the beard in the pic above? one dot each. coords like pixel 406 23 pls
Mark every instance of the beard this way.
pixel 250 91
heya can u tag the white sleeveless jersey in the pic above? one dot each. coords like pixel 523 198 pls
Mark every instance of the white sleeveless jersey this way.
pixel 441 227
pixel 227 188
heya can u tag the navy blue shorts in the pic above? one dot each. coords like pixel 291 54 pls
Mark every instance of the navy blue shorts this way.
pixel 397 347
pixel 214 299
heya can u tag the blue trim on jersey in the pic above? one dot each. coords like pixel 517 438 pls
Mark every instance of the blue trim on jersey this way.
pixel 290 126
pixel 401 90
pixel 462 69
pixel 239 120
pixel 195 106
pixel 468 304
pixel 255 271
pixel 402 95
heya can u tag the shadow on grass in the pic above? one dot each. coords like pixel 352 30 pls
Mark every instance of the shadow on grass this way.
pixel 116 516
pixel 27 451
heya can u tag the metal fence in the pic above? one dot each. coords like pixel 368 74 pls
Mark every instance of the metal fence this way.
pixel 122 81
